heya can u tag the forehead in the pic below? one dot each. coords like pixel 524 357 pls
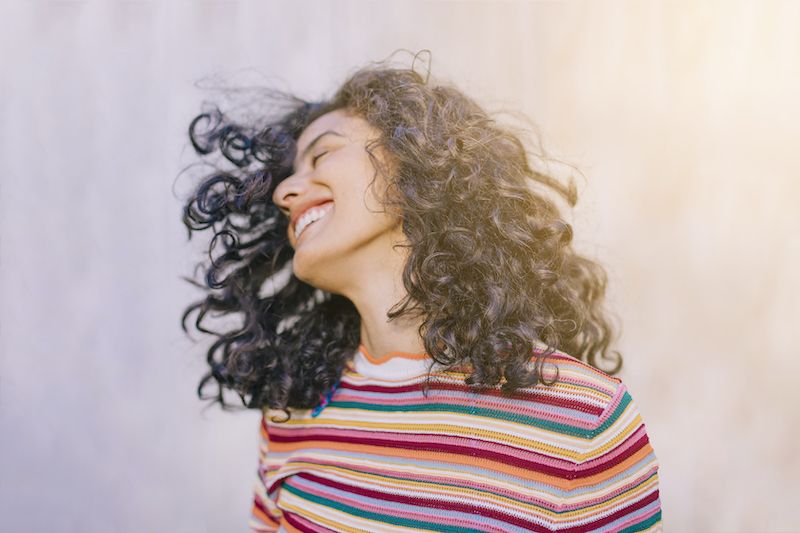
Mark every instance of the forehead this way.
pixel 339 120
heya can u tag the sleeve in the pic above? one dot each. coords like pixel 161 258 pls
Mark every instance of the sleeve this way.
pixel 616 483
pixel 264 515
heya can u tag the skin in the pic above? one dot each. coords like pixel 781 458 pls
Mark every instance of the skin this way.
pixel 349 252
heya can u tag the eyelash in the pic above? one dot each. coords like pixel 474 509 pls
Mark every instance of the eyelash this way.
pixel 314 159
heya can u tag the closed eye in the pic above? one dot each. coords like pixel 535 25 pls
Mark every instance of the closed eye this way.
pixel 314 160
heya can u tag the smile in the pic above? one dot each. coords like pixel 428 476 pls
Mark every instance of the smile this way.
pixel 312 215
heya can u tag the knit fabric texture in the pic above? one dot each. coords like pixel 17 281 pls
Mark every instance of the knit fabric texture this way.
pixel 380 456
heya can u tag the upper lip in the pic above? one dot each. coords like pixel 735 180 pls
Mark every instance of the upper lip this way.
pixel 305 206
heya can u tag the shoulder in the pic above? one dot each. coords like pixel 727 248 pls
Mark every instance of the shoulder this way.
pixel 591 410
pixel 577 407
pixel 614 438
pixel 573 372
pixel 603 445
pixel 585 390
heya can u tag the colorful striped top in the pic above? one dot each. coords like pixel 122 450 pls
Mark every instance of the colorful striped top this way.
pixel 380 456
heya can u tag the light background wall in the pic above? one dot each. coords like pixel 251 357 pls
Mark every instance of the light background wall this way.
pixel 682 116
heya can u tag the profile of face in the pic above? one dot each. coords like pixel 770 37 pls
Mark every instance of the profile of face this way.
pixel 338 226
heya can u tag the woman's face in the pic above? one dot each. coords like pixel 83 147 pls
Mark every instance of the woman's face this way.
pixel 338 226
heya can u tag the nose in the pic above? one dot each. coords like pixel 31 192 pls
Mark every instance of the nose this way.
pixel 287 192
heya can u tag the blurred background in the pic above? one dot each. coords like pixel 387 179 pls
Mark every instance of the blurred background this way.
pixel 681 118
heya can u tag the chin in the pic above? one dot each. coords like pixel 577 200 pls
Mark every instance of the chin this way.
pixel 301 270
pixel 310 270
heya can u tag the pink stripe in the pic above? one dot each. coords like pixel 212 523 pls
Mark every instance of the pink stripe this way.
pixel 619 449
pixel 624 488
pixel 530 410
pixel 424 516
pixel 513 453
pixel 445 479
pixel 531 394
pixel 304 524
pixel 638 519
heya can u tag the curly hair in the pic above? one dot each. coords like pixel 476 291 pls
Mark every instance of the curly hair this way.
pixel 490 268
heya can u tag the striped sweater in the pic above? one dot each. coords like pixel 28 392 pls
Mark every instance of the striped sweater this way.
pixel 381 456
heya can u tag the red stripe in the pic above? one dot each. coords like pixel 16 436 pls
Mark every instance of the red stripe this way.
pixel 616 515
pixel 477 451
pixel 427 502
pixel 521 394
pixel 458 444
pixel 304 525
pixel 631 449
pixel 467 451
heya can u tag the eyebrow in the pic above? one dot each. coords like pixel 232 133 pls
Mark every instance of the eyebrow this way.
pixel 312 143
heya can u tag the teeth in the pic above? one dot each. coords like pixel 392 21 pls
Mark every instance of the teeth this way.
pixel 313 214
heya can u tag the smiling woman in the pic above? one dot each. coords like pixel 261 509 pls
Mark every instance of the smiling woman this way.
pixel 431 362
pixel 337 227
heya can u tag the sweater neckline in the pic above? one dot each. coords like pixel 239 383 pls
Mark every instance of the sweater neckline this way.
pixel 402 367
pixel 391 355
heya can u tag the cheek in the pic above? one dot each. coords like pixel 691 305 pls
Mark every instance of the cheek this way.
pixel 357 190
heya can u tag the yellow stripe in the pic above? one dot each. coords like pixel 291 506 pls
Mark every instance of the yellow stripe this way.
pixel 305 512
pixel 493 436
pixel 629 495
pixel 495 500
pixel 406 486
pixel 624 434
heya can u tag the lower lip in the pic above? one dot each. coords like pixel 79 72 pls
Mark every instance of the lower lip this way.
pixel 311 226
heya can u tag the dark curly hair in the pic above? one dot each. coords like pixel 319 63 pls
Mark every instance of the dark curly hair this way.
pixel 490 267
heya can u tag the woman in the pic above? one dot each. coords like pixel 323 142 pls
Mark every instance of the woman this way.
pixel 415 326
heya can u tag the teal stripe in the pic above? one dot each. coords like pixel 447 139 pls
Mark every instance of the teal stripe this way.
pixel 386 519
pixel 623 403
pixel 641 526
pixel 493 413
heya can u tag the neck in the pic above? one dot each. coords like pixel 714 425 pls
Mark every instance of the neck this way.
pixel 371 278
pixel 381 338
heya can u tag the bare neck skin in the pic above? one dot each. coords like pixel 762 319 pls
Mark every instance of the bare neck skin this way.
pixel 370 276
pixel 373 300
pixel 376 286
